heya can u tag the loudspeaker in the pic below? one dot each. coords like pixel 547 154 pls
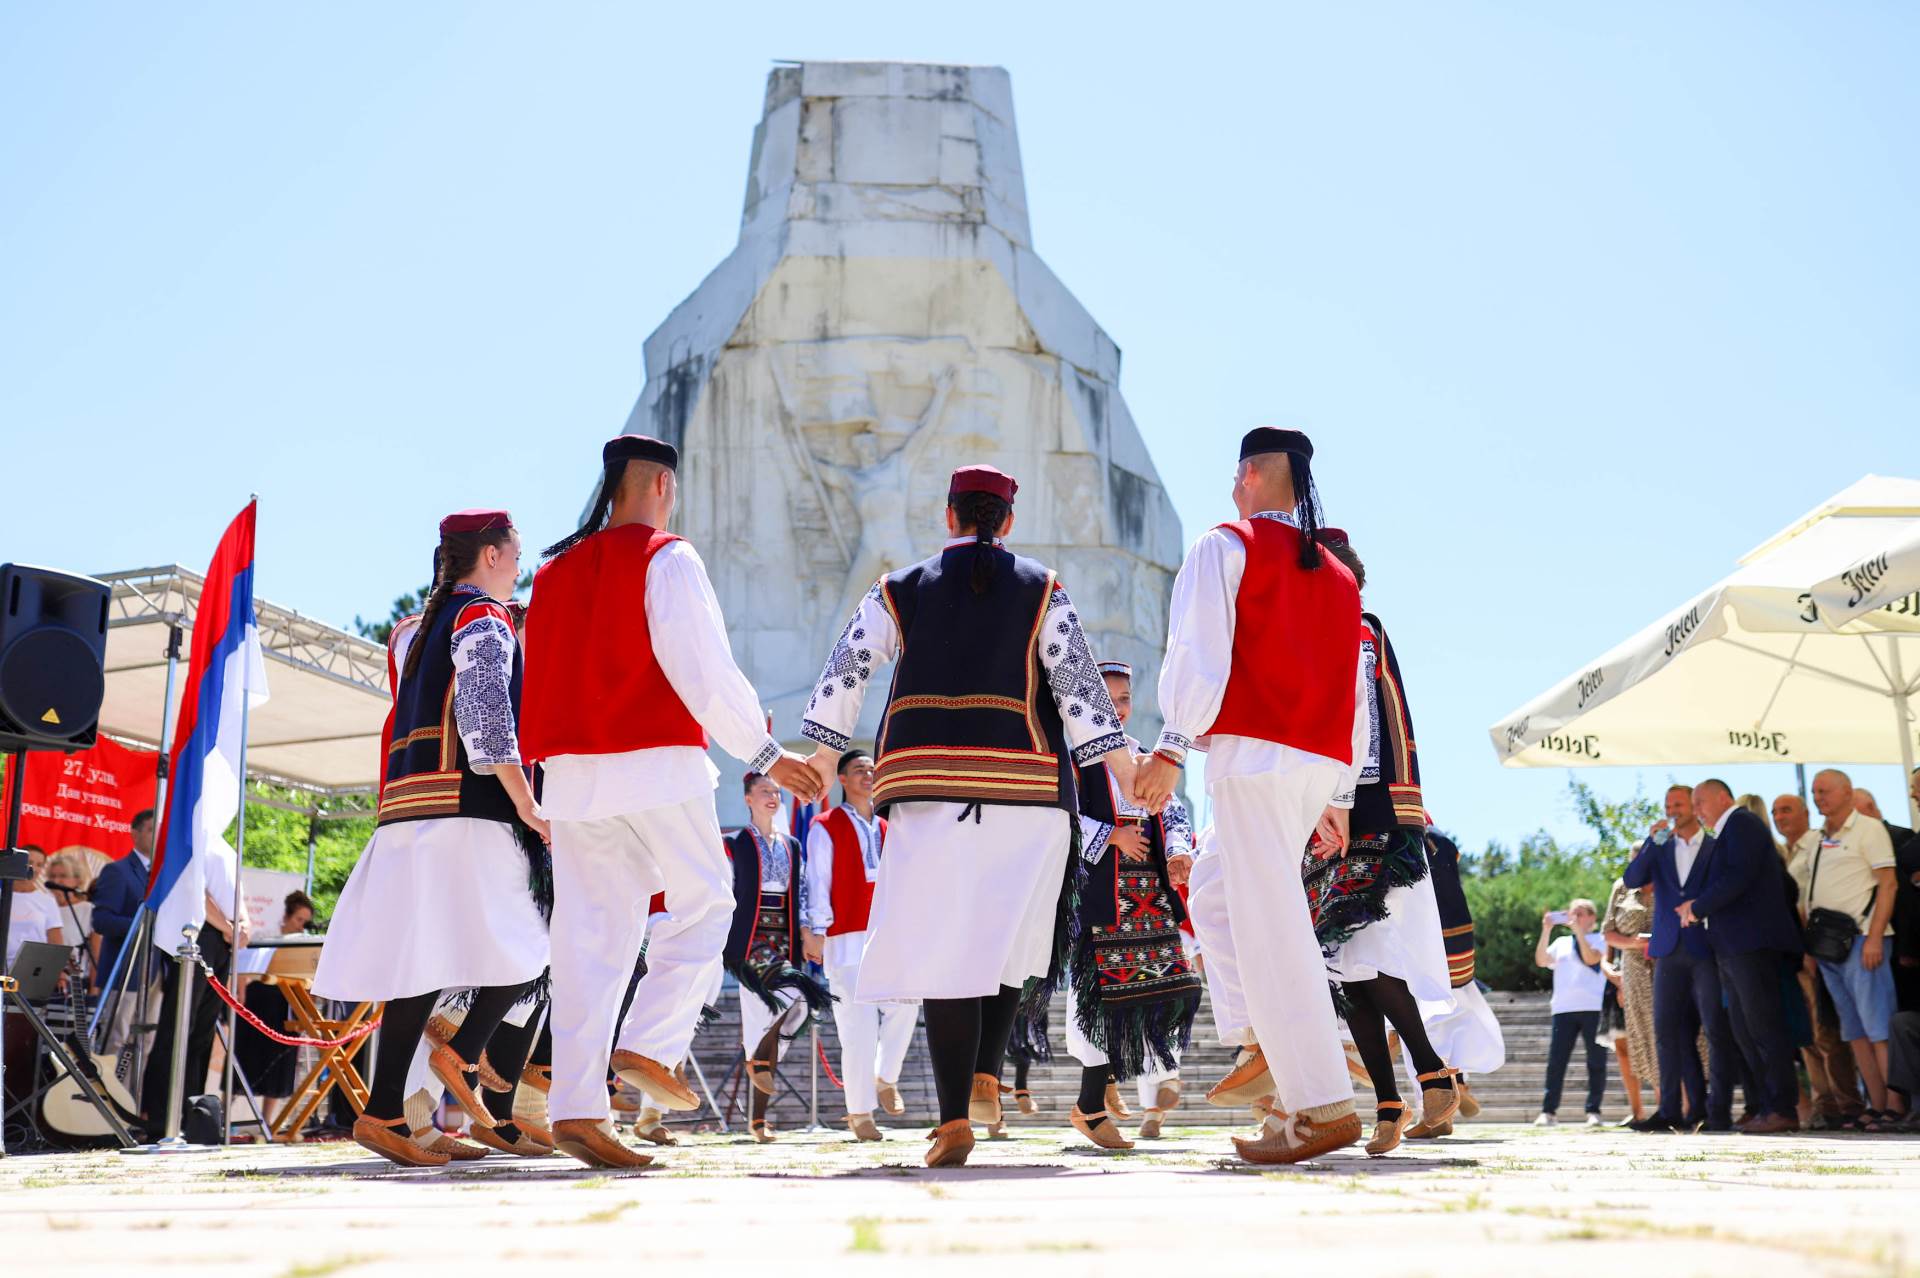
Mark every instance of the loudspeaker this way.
pixel 53 658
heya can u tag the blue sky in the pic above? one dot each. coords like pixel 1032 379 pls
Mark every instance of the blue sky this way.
pixel 1581 302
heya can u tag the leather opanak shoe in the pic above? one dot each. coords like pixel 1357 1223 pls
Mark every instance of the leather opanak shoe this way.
pixel 593 1143
pixel 1388 1127
pixel 459 1077
pixel 1102 1133
pixel 655 1079
pixel 1439 1098
pixel 388 1138
pixel 649 1127
pixel 983 1106
pixel 863 1127
pixel 521 1146
pixel 952 1142
pixel 889 1094
pixel 457 1150
pixel 1150 1124
pixel 1298 1138
pixel 1245 1083
pixel 1115 1104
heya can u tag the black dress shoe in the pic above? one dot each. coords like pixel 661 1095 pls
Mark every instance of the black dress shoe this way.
pixel 1653 1123
pixel 1721 1126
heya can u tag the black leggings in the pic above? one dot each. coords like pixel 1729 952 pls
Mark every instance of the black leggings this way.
pixel 967 1036
pixel 403 1022
pixel 1371 1005
pixel 507 1052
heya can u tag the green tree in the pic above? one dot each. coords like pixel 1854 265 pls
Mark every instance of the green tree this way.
pixel 1507 888
pixel 408 604
pixel 277 840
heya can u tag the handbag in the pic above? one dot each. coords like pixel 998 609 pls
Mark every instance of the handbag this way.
pixel 1829 934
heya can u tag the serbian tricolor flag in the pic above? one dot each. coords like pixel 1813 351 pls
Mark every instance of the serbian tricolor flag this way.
pixel 224 674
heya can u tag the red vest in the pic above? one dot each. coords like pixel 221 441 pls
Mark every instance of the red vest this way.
pixel 1296 646
pixel 852 895
pixel 593 684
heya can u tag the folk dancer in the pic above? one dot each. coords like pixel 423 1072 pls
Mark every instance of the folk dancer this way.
pixel 1374 909
pixel 1131 991
pixel 776 997
pixel 444 896
pixel 1263 669
pixel 628 671
pixel 995 696
pixel 1463 1029
pixel 844 847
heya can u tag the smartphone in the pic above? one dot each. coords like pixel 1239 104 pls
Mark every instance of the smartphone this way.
pixel 1558 918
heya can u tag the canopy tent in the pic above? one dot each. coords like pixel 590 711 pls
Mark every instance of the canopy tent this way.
pixel 319 733
pixel 1752 670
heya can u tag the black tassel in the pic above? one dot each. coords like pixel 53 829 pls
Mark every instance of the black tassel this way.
pixel 539 867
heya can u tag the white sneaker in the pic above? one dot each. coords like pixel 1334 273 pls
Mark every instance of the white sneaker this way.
pixel 1593 1120
pixel 1545 1120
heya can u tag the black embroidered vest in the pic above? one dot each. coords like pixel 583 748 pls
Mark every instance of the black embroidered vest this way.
pixel 971 717
pixel 1390 799
pixel 426 766
pixel 756 914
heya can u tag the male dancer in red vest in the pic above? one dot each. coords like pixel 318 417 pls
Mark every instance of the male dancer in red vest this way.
pixel 843 860
pixel 1263 671
pixel 628 671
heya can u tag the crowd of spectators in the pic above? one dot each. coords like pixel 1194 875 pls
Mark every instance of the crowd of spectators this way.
pixel 1784 968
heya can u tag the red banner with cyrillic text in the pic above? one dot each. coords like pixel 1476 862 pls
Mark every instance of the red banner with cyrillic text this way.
pixel 85 800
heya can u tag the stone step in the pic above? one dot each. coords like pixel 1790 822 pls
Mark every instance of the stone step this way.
pixel 1510 1094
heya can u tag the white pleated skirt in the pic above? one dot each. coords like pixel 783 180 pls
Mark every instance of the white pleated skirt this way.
pixel 433 905
pixel 1407 944
pixel 961 909
pixel 1464 1030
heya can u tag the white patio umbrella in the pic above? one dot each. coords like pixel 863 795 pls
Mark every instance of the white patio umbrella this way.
pixel 1750 670
pixel 1880 591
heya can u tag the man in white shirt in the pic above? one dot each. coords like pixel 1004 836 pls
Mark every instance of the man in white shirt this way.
pixel 628 674
pixel 1850 872
pixel 1832 1076
pixel 843 862
pixel 1263 670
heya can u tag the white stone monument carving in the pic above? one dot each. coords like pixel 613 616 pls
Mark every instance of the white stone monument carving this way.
pixel 883 319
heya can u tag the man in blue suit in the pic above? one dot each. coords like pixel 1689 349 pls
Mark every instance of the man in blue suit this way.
pixel 1686 979
pixel 1751 926
pixel 118 893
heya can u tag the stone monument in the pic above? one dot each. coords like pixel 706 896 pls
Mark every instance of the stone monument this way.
pixel 882 319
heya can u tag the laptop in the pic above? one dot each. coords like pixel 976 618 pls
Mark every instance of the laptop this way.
pixel 37 969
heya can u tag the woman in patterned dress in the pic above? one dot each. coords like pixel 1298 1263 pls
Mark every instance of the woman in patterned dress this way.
pixel 1628 922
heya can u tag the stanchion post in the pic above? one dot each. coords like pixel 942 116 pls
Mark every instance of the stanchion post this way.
pixel 813 1083
pixel 163 778
pixel 189 969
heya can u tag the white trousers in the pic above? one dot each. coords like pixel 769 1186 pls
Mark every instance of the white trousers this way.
pixel 874 1038
pixel 1149 1082
pixel 1207 910
pixel 1263 821
pixel 756 1018
pixel 604 874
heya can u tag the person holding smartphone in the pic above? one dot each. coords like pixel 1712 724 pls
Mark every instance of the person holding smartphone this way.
pixel 1578 987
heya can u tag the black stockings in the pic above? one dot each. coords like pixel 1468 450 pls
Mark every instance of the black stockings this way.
pixel 401 1024
pixel 1372 1006
pixel 967 1036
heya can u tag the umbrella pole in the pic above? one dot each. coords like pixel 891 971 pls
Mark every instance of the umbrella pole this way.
pixel 1904 720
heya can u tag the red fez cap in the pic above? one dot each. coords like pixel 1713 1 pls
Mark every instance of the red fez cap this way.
pixel 472 521
pixel 1331 536
pixel 983 479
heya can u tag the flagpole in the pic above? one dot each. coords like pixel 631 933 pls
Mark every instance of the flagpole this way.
pixel 239 873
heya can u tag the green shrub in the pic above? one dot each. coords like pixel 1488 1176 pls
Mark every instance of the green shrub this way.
pixel 1507 890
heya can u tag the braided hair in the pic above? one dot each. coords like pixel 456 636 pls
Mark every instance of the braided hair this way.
pixel 454 558
pixel 596 517
pixel 1306 509
pixel 983 514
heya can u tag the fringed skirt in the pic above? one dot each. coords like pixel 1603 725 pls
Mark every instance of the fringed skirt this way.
pixel 1135 991
pixel 1375 914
